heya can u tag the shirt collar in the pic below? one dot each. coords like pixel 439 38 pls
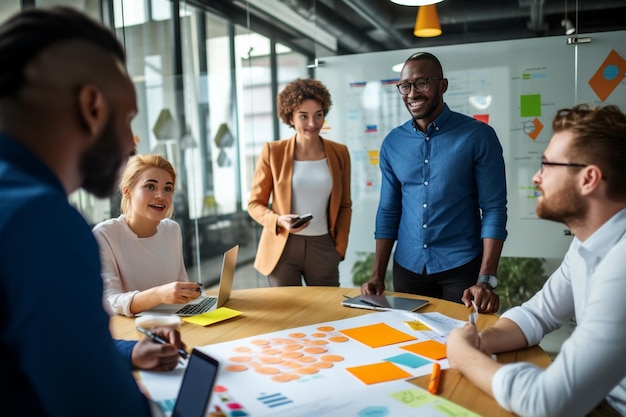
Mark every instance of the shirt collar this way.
pixel 602 240
pixel 439 120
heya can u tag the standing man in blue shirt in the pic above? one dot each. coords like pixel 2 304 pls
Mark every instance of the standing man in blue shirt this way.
pixel 66 103
pixel 442 198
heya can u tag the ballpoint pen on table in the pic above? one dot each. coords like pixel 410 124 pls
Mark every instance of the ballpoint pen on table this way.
pixel 433 382
pixel 473 315
pixel 182 353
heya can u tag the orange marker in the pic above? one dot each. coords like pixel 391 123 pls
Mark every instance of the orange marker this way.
pixel 433 382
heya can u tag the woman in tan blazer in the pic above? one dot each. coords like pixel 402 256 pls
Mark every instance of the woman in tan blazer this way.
pixel 303 174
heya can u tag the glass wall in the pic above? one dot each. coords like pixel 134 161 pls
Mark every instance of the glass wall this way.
pixel 206 92
pixel 8 7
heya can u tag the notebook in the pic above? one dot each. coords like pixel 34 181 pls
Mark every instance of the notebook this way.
pixel 204 303
pixel 197 385
pixel 385 302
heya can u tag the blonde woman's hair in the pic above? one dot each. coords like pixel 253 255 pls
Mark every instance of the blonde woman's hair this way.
pixel 136 166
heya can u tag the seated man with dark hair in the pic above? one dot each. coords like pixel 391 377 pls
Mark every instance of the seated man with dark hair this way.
pixel 66 103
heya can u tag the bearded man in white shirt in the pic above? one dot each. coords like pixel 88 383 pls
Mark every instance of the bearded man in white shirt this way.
pixel 581 183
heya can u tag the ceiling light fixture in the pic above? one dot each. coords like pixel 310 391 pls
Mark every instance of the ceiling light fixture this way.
pixel 415 2
pixel 567 24
pixel 569 27
pixel 427 22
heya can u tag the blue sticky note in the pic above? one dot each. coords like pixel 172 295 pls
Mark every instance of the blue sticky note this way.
pixel 408 359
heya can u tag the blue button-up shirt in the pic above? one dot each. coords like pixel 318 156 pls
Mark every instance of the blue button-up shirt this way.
pixel 442 192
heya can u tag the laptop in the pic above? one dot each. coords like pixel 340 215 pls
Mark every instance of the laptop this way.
pixel 385 302
pixel 197 386
pixel 204 303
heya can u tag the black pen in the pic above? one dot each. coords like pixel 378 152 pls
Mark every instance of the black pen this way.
pixel 183 354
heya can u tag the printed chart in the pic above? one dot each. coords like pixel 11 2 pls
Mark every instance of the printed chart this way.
pixel 322 367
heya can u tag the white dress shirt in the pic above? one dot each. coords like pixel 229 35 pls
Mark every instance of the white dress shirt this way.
pixel 590 284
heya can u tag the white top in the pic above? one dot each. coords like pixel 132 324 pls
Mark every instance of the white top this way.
pixel 590 285
pixel 131 264
pixel 311 185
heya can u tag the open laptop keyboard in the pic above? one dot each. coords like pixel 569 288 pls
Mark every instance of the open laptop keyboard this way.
pixel 201 307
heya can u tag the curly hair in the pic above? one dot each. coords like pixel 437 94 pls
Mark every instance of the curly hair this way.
pixel 599 139
pixel 29 32
pixel 137 164
pixel 294 93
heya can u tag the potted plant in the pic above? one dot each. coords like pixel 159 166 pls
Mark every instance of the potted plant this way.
pixel 362 270
pixel 519 279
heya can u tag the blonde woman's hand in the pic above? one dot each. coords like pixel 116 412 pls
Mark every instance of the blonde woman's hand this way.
pixel 178 292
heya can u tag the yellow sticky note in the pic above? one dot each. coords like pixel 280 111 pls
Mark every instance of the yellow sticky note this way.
pixel 220 314
pixel 417 325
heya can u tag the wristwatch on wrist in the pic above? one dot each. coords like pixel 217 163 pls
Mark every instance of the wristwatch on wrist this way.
pixel 490 280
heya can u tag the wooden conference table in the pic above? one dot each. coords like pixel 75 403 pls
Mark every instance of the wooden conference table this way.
pixel 267 310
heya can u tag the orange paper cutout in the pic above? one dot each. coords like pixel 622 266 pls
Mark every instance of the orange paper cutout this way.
pixel 602 85
pixel 377 335
pixel 378 372
pixel 430 349
pixel 537 130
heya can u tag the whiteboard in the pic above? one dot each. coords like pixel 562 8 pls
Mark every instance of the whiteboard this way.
pixel 515 86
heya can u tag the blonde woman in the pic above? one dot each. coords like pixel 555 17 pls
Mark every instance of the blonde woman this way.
pixel 141 250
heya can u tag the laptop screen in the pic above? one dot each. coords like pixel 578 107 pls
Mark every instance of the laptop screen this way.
pixel 197 386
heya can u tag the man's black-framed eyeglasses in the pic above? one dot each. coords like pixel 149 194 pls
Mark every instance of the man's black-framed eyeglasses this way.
pixel 421 85
pixel 561 164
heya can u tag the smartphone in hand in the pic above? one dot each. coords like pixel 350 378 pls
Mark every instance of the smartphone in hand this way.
pixel 300 220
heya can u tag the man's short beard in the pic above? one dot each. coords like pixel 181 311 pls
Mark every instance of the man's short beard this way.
pixel 565 207
pixel 101 164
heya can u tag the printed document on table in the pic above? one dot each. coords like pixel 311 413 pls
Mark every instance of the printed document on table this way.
pixel 398 398
pixel 438 322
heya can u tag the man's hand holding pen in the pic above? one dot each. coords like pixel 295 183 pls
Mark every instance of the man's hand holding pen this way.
pixel 159 353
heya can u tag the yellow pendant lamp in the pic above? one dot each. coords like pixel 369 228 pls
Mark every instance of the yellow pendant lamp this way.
pixel 427 22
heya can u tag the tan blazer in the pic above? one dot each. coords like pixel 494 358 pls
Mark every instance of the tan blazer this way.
pixel 272 178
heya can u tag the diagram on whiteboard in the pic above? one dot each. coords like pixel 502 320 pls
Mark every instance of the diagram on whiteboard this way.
pixel 609 75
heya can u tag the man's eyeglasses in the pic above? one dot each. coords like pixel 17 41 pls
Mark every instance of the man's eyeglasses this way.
pixel 421 85
pixel 561 164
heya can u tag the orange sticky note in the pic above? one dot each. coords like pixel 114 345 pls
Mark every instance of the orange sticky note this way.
pixel 378 372
pixel 429 348
pixel 377 335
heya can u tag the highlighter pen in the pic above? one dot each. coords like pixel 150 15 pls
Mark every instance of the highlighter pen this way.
pixel 182 353
pixel 433 382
